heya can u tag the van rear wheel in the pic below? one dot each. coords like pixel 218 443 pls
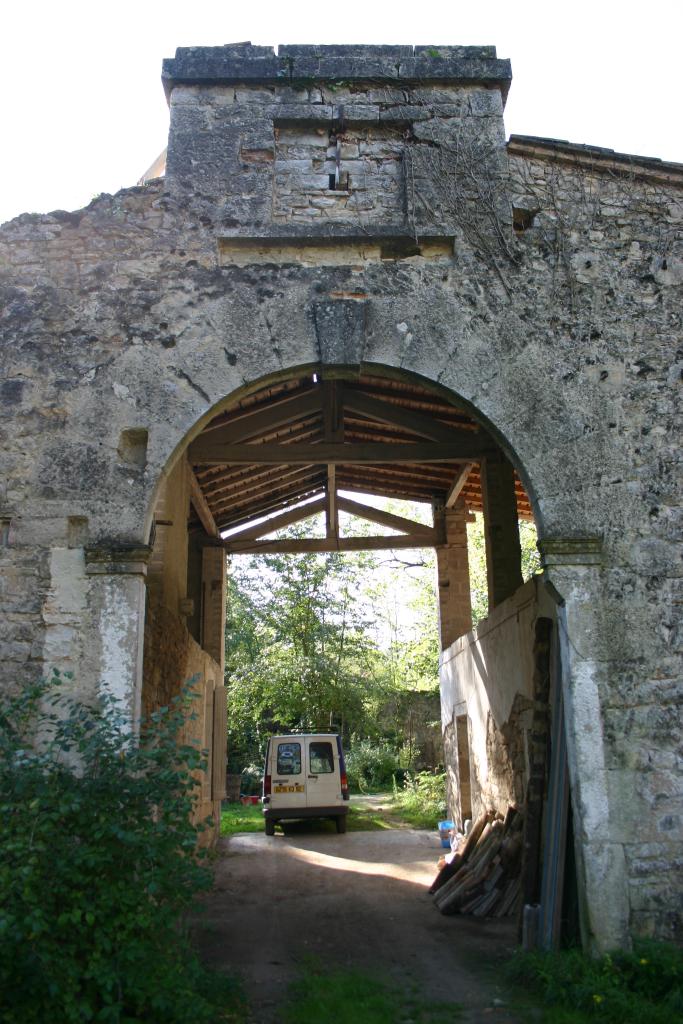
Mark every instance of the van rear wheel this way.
pixel 270 828
pixel 341 823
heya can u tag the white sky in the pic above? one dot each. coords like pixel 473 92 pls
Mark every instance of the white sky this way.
pixel 83 110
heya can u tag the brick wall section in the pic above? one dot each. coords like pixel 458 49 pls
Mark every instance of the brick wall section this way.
pixel 455 604
pixel 172 660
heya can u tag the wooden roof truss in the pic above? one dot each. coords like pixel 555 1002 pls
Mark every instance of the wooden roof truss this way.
pixel 287 452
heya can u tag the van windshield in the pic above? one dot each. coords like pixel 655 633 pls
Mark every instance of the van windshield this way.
pixel 289 759
pixel 321 759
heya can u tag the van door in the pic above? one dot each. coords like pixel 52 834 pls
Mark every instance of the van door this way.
pixel 323 784
pixel 288 773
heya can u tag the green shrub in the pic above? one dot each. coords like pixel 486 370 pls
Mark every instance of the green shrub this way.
pixel 643 985
pixel 98 861
pixel 370 765
pixel 422 799
pixel 252 780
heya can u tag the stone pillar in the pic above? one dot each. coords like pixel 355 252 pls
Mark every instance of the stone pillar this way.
pixel 455 605
pixel 213 602
pixel 501 529
pixel 114 634
pixel 573 566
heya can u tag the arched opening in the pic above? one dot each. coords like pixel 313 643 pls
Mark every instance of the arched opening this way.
pixel 316 442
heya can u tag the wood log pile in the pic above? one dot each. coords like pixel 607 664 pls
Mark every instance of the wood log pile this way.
pixel 484 877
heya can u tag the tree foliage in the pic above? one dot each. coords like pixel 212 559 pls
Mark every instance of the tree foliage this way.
pixel 299 651
pixel 322 641
pixel 98 862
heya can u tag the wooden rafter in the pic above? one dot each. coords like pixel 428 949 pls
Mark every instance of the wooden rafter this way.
pixel 264 421
pixel 199 502
pixel 246 515
pixel 457 485
pixel 377 515
pixel 465 449
pixel 388 412
pixel 293 515
pixel 274 499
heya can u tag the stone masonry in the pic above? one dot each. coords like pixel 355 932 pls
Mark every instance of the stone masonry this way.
pixel 537 283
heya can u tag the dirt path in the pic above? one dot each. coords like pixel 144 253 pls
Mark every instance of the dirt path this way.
pixel 358 899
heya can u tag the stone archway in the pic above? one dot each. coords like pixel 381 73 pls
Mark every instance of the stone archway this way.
pixel 261 426
pixel 312 214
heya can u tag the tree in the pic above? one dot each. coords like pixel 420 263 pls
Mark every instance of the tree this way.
pixel 299 653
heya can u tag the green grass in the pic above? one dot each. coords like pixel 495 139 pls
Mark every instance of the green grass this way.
pixel 640 987
pixel 241 818
pixel 354 997
pixel 249 818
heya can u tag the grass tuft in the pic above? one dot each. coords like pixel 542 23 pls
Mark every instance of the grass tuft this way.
pixel 240 818
pixel 350 996
pixel 644 986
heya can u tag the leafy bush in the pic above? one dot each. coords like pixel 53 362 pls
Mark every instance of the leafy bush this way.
pixel 98 861
pixel 644 985
pixel 370 765
pixel 252 780
pixel 422 800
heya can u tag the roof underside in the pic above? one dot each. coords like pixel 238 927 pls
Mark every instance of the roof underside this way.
pixel 307 411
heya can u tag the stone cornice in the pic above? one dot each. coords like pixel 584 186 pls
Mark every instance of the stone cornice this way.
pixel 297 65
pixel 596 158
pixel 117 560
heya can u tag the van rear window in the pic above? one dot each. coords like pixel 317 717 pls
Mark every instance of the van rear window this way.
pixel 321 759
pixel 289 758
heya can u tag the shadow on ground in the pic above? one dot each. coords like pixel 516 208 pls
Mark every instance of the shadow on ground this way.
pixel 355 900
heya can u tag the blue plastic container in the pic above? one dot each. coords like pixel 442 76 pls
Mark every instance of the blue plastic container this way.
pixel 445 833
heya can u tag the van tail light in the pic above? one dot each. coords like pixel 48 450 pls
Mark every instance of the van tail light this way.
pixel 266 788
pixel 342 771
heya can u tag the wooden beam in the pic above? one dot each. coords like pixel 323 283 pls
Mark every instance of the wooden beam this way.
pixel 313 544
pixel 333 411
pixel 201 507
pixel 293 515
pixel 417 422
pixel 332 514
pixel 266 420
pixel 239 489
pixel 457 485
pixel 231 519
pixel 378 515
pixel 210 453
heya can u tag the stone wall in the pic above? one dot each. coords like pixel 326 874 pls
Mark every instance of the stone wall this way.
pixel 546 299
pixel 338 175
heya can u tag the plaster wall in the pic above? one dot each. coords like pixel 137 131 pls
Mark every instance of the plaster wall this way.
pixel 487 676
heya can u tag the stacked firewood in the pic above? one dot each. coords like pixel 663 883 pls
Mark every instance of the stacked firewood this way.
pixel 483 878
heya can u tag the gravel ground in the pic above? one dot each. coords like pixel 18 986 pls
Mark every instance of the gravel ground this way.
pixel 358 899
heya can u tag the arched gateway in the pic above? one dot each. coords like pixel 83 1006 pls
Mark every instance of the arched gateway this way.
pixel 344 253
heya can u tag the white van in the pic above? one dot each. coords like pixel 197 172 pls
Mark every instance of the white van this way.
pixel 305 777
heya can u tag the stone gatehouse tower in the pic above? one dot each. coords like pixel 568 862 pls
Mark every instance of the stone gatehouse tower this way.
pixel 344 250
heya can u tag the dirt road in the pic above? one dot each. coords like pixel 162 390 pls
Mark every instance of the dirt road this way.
pixel 359 900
